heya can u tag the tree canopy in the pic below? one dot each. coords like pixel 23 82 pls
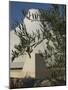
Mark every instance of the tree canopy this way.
pixel 55 28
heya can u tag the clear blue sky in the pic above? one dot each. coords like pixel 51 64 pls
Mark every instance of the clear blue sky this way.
pixel 15 9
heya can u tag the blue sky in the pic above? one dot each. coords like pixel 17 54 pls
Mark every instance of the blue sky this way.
pixel 15 9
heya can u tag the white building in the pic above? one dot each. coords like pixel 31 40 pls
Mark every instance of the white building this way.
pixel 23 66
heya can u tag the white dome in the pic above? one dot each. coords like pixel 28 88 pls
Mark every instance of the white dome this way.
pixel 34 14
pixel 32 21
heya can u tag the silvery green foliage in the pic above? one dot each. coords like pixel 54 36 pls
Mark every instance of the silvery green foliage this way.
pixel 54 54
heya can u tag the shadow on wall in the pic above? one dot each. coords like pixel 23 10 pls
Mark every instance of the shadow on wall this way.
pixel 40 68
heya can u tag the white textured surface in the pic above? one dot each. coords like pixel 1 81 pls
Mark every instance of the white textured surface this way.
pixel 29 66
pixel 32 25
pixel 14 40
